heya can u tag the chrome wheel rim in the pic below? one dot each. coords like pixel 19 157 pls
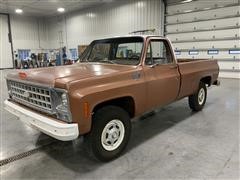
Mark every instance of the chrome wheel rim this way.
pixel 201 96
pixel 112 135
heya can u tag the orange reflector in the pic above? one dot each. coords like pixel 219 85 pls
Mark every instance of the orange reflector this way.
pixel 22 75
pixel 86 110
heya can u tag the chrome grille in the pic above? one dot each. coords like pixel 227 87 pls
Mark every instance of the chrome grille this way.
pixel 31 95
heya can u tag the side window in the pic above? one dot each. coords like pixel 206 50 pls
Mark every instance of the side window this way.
pixel 158 53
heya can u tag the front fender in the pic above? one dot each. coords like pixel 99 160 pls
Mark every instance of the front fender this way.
pixel 78 102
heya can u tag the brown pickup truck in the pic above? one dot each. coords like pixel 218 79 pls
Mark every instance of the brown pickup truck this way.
pixel 115 80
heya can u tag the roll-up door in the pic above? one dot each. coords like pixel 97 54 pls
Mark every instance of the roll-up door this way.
pixel 207 29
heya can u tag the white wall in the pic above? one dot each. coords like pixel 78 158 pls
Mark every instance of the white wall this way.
pixel 113 19
pixel 29 33
pixel 5 46
pixel 83 26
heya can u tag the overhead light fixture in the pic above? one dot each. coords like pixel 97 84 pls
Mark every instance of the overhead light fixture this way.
pixel 187 11
pixel 91 15
pixel 140 4
pixel 61 10
pixel 186 1
pixel 19 11
pixel 207 8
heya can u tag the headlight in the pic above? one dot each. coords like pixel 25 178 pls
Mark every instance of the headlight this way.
pixel 64 99
pixel 10 93
pixel 62 105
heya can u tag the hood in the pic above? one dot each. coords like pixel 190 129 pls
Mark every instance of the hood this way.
pixel 66 74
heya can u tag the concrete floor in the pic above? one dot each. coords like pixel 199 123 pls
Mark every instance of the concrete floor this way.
pixel 173 144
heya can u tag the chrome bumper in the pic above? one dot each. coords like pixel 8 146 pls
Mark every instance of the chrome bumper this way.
pixel 56 129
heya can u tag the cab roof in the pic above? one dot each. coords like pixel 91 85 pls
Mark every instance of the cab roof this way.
pixel 131 36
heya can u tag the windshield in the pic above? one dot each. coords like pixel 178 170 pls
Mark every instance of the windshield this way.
pixel 124 51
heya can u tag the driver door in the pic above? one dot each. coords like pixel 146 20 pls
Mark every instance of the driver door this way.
pixel 161 72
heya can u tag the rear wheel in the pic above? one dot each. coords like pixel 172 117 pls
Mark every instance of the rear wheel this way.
pixel 110 133
pixel 198 100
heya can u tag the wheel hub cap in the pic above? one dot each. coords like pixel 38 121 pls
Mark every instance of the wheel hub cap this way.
pixel 201 96
pixel 112 135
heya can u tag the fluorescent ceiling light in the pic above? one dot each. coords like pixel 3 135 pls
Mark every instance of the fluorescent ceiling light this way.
pixel 207 8
pixel 91 15
pixel 186 1
pixel 60 9
pixel 19 11
pixel 187 11
pixel 140 4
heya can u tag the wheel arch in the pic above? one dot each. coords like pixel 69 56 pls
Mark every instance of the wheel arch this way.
pixel 207 80
pixel 126 102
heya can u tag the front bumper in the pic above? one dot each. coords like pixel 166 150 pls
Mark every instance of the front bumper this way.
pixel 54 128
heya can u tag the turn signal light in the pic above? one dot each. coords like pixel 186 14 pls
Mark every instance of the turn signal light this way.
pixel 22 75
pixel 86 110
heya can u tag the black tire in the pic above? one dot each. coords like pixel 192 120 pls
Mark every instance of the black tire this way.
pixel 101 119
pixel 195 103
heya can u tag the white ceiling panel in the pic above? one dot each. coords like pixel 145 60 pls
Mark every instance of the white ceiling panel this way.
pixel 47 7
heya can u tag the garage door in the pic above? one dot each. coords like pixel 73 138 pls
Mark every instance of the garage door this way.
pixel 5 45
pixel 207 29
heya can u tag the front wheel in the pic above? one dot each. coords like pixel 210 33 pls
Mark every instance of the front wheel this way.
pixel 110 133
pixel 198 100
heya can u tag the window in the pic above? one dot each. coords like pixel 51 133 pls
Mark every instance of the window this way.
pixel 124 51
pixel 158 53
pixel 23 54
pixel 193 52
pixel 177 52
pixel 100 52
pixel 232 51
pixel 73 53
pixel 129 51
pixel 213 52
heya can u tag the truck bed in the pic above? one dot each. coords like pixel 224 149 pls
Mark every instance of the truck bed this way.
pixel 192 71
pixel 190 60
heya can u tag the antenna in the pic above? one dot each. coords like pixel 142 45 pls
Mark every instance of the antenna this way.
pixel 142 32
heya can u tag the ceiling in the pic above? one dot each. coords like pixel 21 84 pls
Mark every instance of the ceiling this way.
pixel 46 7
